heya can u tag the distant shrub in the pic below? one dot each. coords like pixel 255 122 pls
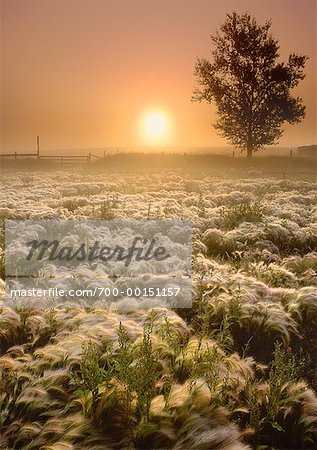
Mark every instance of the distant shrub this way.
pixel 108 206
pixel 201 207
pixel 300 265
pixel 217 243
pixel 273 274
pixel 106 210
pixel 74 203
pixel 242 212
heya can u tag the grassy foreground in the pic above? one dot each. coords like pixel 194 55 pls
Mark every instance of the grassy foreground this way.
pixel 236 371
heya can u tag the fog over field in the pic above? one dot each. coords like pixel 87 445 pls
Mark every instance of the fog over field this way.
pixel 100 151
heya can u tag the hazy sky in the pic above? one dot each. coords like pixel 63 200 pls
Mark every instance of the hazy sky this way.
pixel 84 73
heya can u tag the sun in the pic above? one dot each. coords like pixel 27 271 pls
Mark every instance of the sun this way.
pixel 155 125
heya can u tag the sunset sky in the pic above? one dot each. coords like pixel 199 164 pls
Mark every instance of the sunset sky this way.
pixel 90 73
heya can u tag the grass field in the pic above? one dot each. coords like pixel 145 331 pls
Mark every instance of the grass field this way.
pixel 236 371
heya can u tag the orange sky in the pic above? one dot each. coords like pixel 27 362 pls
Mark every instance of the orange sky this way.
pixel 82 73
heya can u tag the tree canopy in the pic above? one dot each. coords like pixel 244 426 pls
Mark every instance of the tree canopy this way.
pixel 250 87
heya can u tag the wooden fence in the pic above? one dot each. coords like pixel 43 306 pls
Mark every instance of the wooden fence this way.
pixel 73 159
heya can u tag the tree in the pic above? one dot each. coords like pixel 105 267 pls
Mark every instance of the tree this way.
pixel 251 89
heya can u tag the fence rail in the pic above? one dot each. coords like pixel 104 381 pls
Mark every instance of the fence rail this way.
pixel 67 158
pixel 53 158
pixel 16 155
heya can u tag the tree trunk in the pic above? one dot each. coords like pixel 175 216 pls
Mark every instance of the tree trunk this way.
pixel 250 137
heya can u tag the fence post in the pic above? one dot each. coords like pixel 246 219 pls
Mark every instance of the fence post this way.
pixel 89 158
pixel 233 154
pixel 15 155
pixel 290 159
pixel 38 146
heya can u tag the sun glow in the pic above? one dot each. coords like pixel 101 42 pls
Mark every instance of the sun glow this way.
pixel 155 126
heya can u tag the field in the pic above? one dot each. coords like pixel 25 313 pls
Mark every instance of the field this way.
pixel 236 371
